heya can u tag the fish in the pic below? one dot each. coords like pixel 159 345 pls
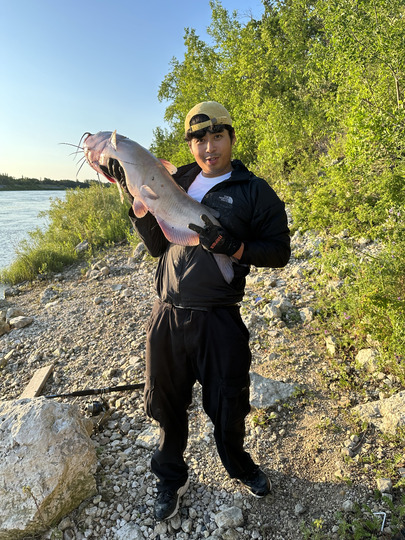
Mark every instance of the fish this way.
pixel 149 180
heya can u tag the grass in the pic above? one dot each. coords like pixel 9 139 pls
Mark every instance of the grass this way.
pixel 95 214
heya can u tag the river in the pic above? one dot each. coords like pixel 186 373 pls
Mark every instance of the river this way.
pixel 18 215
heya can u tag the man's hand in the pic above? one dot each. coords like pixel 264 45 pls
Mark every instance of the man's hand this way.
pixel 214 238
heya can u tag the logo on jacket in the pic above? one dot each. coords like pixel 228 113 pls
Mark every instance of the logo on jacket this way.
pixel 226 199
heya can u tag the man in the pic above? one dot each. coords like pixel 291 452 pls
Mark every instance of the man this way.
pixel 195 331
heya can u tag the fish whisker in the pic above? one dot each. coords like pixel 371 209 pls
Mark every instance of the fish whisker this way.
pixel 74 145
pixel 83 160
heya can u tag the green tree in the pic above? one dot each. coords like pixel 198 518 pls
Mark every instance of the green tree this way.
pixel 360 56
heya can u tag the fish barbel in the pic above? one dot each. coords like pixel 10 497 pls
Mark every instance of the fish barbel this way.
pixel 153 189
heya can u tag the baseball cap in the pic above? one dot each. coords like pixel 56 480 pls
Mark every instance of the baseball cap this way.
pixel 216 113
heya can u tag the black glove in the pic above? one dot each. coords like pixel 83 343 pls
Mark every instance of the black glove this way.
pixel 115 171
pixel 214 238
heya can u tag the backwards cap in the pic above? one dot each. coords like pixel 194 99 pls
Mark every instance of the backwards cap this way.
pixel 216 113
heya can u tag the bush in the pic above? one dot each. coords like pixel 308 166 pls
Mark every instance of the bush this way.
pixel 369 302
pixel 95 214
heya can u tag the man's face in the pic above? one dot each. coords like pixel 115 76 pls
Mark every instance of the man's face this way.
pixel 213 153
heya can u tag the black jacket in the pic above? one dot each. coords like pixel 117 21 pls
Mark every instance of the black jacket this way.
pixel 250 210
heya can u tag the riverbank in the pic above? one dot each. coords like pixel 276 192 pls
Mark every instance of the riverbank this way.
pixel 9 183
pixel 91 326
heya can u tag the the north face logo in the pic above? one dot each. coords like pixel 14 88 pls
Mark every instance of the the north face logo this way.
pixel 226 199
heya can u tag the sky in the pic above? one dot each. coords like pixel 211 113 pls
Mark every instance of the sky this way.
pixel 71 66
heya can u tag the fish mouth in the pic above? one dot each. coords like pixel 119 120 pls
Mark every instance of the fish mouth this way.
pixel 106 174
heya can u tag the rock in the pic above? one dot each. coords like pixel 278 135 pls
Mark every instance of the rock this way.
pixel 48 295
pixel 4 327
pixel 368 359
pixel 14 312
pixel 130 531
pixel 231 517
pixel 265 392
pixel 306 314
pixel 283 304
pixel 47 462
pixel 9 355
pixel 299 509
pixel 297 272
pixel 117 287
pixel 386 414
pixel 20 322
pixel 348 506
pixel 126 293
pixel 384 485
pixel 253 279
pixel 83 246
pixel 138 252
pixel 330 343
pixel 9 292
pixel 148 438
pixel 271 311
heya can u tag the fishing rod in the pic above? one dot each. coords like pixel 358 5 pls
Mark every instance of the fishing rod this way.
pixel 98 391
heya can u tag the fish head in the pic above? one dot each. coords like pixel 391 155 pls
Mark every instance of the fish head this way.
pixel 101 147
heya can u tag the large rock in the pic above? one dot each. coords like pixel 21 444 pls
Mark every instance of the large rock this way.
pixel 265 392
pixel 386 414
pixel 47 464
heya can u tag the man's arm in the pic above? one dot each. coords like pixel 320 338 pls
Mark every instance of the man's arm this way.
pixel 150 233
pixel 269 241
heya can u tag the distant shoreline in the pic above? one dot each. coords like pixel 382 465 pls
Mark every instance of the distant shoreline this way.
pixel 35 188
pixel 9 183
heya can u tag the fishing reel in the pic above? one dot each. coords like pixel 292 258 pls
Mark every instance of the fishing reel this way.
pixel 97 407
pixel 99 413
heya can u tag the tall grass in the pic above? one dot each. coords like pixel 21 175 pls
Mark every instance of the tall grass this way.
pixel 95 214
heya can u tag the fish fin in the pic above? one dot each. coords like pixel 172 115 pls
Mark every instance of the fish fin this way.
pixel 148 193
pixel 113 139
pixel 170 168
pixel 139 208
pixel 225 265
pixel 177 236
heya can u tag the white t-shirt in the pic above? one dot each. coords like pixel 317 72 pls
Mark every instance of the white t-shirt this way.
pixel 202 185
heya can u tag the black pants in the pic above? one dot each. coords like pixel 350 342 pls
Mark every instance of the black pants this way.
pixel 185 345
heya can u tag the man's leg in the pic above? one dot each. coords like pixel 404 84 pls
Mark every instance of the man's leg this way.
pixel 168 391
pixel 224 371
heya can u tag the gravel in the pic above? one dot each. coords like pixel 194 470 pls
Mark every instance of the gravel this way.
pixel 90 324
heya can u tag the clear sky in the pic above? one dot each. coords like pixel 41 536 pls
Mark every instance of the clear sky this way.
pixel 74 66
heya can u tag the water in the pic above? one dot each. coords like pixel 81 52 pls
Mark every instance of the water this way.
pixel 18 215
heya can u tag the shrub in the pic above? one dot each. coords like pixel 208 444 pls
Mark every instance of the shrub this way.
pixel 369 301
pixel 95 214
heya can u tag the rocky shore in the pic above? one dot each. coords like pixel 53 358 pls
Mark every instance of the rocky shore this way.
pixel 89 323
